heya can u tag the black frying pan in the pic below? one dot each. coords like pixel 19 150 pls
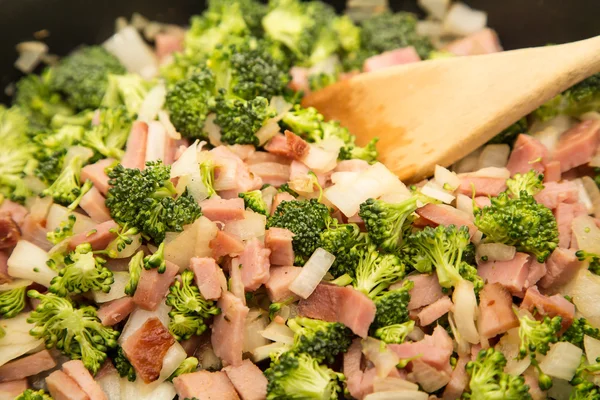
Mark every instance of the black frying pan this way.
pixel 520 23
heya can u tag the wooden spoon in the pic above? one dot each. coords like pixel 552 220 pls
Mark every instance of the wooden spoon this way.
pixel 438 111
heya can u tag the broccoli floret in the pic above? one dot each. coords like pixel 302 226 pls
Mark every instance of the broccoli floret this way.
pixel 207 173
pixel 319 339
pixel 126 90
pixel 49 165
pixel 305 122
pixel 488 381
pixel 67 187
pixel 376 271
pixel 156 260
pixel 135 271
pixel 585 391
pixel 144 200
pixel 77 332
pixel 299 376
pixel 60 139
pixel 82 77
pixel 509 135
pixel 30 394
pixel 387 222
pixel 537 336
pixel 584 387
pixel 123 366
pixel 592 259
pixel 396 333
pixel 531 183
pixel 275 307
pixel 348 33
pixel 321 80
pixel 368 153
pixel 83 119
pixel 285 188
pixel 35 98
pixel 189 103
pixel 578 99
pixel 254 201
pixel 12 302
pixel 187 366
pixel 125 236
pixel 82 272
pixel 63 231
pixel 392 306
pixel 109 136
pixel 339 239
pixel 521 222
pixel 306 219
pixel 190 310
pixel 578 329
pixel 239 120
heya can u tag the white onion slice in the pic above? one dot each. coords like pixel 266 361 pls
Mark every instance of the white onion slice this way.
pixel 312 273
pixel 281 107
pixel 256 321
pixel 253 225
pixel 320 160
pixel 110 384
pixel 277 332
pixel 435 8
pixel 496 252
pixel 17 340
pixel 266 132
pixel 492 172
pixel 212 130
pixel 587 234
pixel 562 360
pixel 586 295
pixel 584 197
pixel 433 190
pixel 592 348
pixel 465 311
pixel 383 358
pixel 129 47
pixel 468 163
pixel 509 346
pixel 344 177
pixel 27 261
pixel 207 231
pixel 446 179
pixel 462 20
pixel 264 352
pixel 494 155
pixel 117 289
pixel 593 192
pixel 390 384
pixel 465 204
pixel 163 118
pixel 152 103
pixel 30 55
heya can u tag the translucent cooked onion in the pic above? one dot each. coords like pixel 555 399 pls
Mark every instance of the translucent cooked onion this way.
pixel 152 103
pixel 509 346
pixel 593 192
pixel 383 358
pixel 584 197
pixel 465 204
pixel 212 130
pixel 129 47
pixel 27 261
pixel 435 8
pixel 494 155
pixel 17 340
pixel 390 384
pixel 587 234
pixel 253 225
pixel 562 360
pixel 163 118
pixel 446 179
pixel 492 172
pixel 432 189
pixel 496 252
pixel 277 332
pixel 266 132
pixel 312 273
pixel 256 321
pixel 30 55
pixel 465 311
pixel 117 289
pixel 586 295
pixel 592 348
pixel 462 20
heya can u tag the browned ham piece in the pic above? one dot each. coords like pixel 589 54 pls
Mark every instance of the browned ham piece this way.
pixel 98 238
pixel 135 154
pixel 435 349
pixel 279 282
pixel 483 186
pixel 443 214
pixel 223 210
pixel 9 231
pixel 458 380
pixel 225 244
pixel 429 314
pixel 11 389
pixel 93 203
pixel 578 145
pixel 555 193
pixel 404 55
pixel 551 306
pixel 484 41
pixel 511 274
pixel 561 267
pixel 426 290
pixel 96 173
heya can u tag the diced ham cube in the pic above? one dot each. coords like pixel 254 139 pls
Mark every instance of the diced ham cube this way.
pixel 228 329
pixel 168 43
pixel 299 80
pixel 458 380
pixel 289 145
pixel 528 153
pixel 536 271
pixel 27 366
pixel 153 287
pixel 243 151
pixel 9 232
pixel 484 186
pixel 279 241
pixel 16 211
pixel 482 201
pixel 405 55
pixel 495 308
pixel 578 145
pixel 98 238
pixel 555 193
pixel 352 369
pixel 280 197
pixel 429 377
pixel 433 312
pixel 564 214
pixel 63 387
pixel 135 154
pixel 208 276
pixel 95 173
pixel 217 209
pixel 248 380
pixel 239 178
pixel 79 373
pixel 4 277
pixel 115 311
pixel 426 290
pixel 351 166
pixel 205 385
pixel 279 282
pixel 93 203
pixel 484 41
pixel 10 390
pixel 255 264
pixel 146 348
pixel 510 274
pixel 434 349
pixel 553 171
pixel 271 173
pixel 225 244
pixel 550 306
pixel 561 267
pixel 442 214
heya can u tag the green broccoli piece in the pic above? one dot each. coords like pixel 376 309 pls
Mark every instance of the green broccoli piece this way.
pixel 305 122
pixel 67 187
pixel 63 231
pixel 306 219
pixel 592 259
pixel 127 90
pixel 190 310
pixel 123 366
pixel 156 260
pixel 575 101
pixel 83 119
pixel 254 201
pixel 584 386
pixel 189 103
pixel 82 272
pixel 578 329
pixel 348 33
pixel 124 238
pixel 368 153
pixel 144 200
pixel 392 306
pixel 77 332
pixel 537 336
pixel 207 173
pixel 187 366
pixel 319 339
pixel 49 165
pixel 387 222
pixel 339 239
pixel 299 376
pixel 321 80
pixel 285 188
pixel 531 183
pixel 239 120
pixel 509 135
pixel 12 302
pixel 585 391
pixel 109 136
pixel 60 139
pixel 275 307
pixel 521 222
pixel 488 381
pixel 82 77
pixel 395 333
pixel 376 271
pixel 30 394
pixel 135 271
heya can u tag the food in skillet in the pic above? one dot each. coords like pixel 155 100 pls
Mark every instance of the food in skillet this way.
pixel 174 224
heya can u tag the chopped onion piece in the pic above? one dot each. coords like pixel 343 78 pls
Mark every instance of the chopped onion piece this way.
pixel 30 55
pixel 15 284
pixel 584 197
pixel 593 192
pixel 253 225
pixel 138 21
pixel 163 118
pixel 281 107
pixel 266 132
pixel 207 357
pixel 320 160
pixel 446 179
pixel 264 352
pixel 465 311
pixel 206 231
pixel 268 194
pixel 560 390
pixel 155 146
pixel 549 132
pixel 460 343
pixel 27 261
pixel 435 8
pixel 390 384
pixel 586 295
pixel 129 249
pixel 494 155
pixel 277 332
pixel 17 340
pixel 383 358
pixel 495 252
pixel 509 346
pixel 58 214
pixel 139 390
pixel 492 172
pixel 110 383
pixel 312 273
pixel 152 103
pixel 192 242
pixel 398 395
pixel 256 321
pixel 587 234
pixel 212 130
pixel 129 47
pixel 562 360
pixel 432 29
pixel 344 177
pixel 187 163
pixel 416 334
pixel 465 204
pixel 117 289
pixel 433 190
pixel 139 317
pixel 592 348
pixel 462 20
pixel 173 359
pixel 468 163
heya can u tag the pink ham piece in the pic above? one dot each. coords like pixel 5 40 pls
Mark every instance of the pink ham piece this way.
pixel 229 164
pixel 223 210
pixel 27 366
pixel 553 171
pixel 228 329
pixel 9 232
pixel 79 373
pixel 561 267
pixel 95 173
pixel 555 193
pixel 93 204
pixel 434 349
pixel 167 43
pixel 578 145
pixel 495 307
pixel 279 282
pixel 63 387
pixel 255 264
pixel 536 271
pixel 225 244
pixel 432 312
pixel 484 186
pixel 153 287
pixel 299 80
pixel 551 306
pixel 340 304
pixel 405 55
pixel 135 154
pixel 243 151
pixel 4 277
pixel 11 390
pixel 429 377
pixel 16 211
pixel 482 201
pixel 115 311
pixel 458 380
pixel 288 145
pixel 426 290
pixel 528 153
pixel 99 237
pixel 208 276
pixel 279 241
pixel 510 274
pixel 352 370
pixel 442 214
pixel 484 41
pixel 564 214
pixel 248 380
pixel 279 197
pixel 271 173
pixel 205 385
